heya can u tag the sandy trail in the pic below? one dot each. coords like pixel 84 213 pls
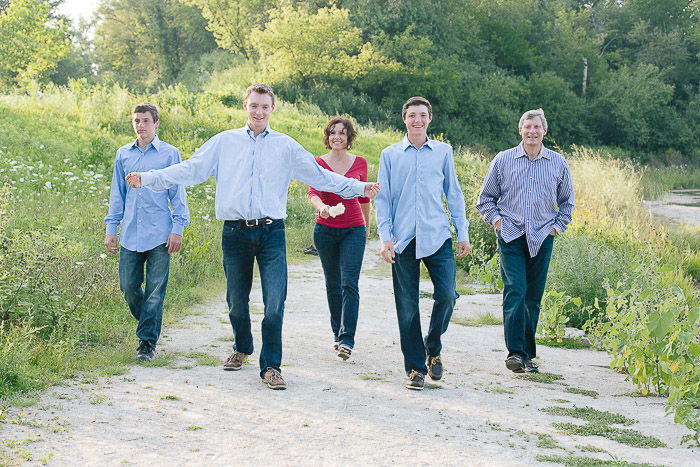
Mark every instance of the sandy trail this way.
pixel 334 412
pixel 677 207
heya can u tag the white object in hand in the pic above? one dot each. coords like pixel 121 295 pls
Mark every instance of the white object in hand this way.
pixel 336 210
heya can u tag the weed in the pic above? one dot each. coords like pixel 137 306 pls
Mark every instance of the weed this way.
pixel 204 359
pixel 546 441
pixel 579 461
pixel 194 427
pixel 626 436
pixel 483 319
pixel 547 378
pixel 584 392
pixel 589 448
pixel 590 415
pixel 564 343
pixel 169 398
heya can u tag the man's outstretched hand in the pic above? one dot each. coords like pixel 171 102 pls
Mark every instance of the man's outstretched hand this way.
pixel 371 190
pixel 134 180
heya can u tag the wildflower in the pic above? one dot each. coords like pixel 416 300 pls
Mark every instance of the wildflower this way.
pixel 103 256
pixel 48 185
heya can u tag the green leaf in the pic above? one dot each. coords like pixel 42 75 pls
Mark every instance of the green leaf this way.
pixel 660 323
pixel 693 314
pixel 577 301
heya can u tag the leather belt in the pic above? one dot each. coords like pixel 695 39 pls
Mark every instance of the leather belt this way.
pixel 252 222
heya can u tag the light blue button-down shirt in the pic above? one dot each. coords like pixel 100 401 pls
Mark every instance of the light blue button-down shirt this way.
pixel 146 219
pixel 410 204
pixel 529 196
pixel 252 173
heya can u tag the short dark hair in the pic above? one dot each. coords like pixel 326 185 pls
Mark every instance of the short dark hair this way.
pixel 144 107
pixel 416 100
pixel 349 130
pixel 260 88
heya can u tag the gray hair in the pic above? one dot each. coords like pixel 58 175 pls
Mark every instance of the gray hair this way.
pixel 532 114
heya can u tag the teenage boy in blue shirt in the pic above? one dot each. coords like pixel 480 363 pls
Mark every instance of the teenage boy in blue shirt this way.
pixel 414 175
pixel 151 230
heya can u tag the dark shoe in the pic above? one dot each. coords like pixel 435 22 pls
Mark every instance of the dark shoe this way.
pixel 273 379
pixel 530 367
pixel 515 364
pixel 146 352
pixel 434 367
pixel 235 361
pixel 310 250
pixel 335 346
pixel 344 351
pixel 415 381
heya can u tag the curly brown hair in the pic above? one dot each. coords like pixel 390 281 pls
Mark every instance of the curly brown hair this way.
pixel 349 130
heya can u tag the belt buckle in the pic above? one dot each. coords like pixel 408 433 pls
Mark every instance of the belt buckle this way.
pixel 251 223
pixel 268 221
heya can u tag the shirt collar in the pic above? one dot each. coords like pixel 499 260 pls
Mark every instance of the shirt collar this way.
pixel 155 143
pixel 405 143
pixel 520 152
pixel 251 133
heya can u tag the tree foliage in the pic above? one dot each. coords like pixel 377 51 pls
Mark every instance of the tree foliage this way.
pixel 32 42
pixel 147 43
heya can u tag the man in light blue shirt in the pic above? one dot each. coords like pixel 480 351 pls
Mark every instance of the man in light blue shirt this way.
pixel 253 167
pixel 150 231
pixel 414 175
pixel 528 197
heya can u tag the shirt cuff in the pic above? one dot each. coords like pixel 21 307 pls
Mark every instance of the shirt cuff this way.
pixel 496 219
pixel 385 235
pixel 146 178
pixel 177 229
pixel 463 237
pixel 111 229
pixel 359 187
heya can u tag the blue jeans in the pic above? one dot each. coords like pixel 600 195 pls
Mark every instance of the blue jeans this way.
pixel 241 246
pixel 145 305
pixel 406 275
pixel 524 279
pixel 341 252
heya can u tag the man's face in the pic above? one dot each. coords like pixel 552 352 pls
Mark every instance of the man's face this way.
pixel 259 107
pixel 417 120
pixel 144 126
pixel 532 131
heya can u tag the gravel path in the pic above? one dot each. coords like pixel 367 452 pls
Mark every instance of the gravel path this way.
pixel 189 412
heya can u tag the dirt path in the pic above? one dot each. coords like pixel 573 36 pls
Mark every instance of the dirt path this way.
pixel 189 412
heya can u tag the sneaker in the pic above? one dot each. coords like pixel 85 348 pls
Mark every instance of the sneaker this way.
pixel 415 381
pixel 530 367
pixel 235 361
pixel 515 364
pixel 434 367
pixel 146 352
pixel 344 351
pixel 273 379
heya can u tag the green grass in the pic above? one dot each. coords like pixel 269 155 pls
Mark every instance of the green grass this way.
pixel 546 441
pixel 566 343
pixel 547 378
pixel 483 319
pixel 584 392
pixel 589 448
pixel 579 461
pixel 204 359
pixel 626 436
pixel 590 415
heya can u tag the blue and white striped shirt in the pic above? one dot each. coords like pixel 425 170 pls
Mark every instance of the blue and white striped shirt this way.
pixel 530 196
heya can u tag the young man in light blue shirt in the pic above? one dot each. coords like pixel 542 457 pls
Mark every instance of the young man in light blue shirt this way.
pixel 414 175
pixel 151 230
pixel 253 167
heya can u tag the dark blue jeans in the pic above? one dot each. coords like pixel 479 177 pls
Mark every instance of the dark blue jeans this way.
pixel 524 279
pixel 241 246
pixel 406 275
pixel 341 252
pixel 145 305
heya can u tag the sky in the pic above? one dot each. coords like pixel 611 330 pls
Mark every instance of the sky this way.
pixel 77 9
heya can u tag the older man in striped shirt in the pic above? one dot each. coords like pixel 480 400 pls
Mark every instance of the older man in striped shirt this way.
pixel 528 197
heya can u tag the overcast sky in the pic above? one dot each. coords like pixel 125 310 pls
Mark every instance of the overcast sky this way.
pixel 76 9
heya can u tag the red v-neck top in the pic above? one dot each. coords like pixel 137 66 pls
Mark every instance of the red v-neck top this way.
pixel 352 217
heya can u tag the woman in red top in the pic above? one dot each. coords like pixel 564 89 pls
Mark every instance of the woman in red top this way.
pixel 340 238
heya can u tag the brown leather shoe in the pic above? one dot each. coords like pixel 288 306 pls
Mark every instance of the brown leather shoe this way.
pixel 434 367
pixel 273 379
pixel 235 361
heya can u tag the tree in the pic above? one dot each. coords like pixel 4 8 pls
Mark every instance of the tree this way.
pixel 144 44
pixel 32 42
pixel 231 21
pixel 330 48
